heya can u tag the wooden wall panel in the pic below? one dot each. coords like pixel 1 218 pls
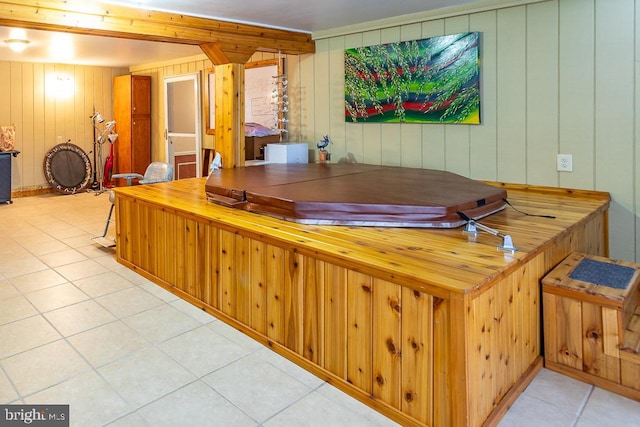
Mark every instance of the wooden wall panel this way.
pixel 321 89
pixel 202 262
pixel 336 321
pixel 242 279
pixel 41 113
pixel 541 86
pixel 258 283
pixel 313 310
pixel 180 259
pixel 387 342
pixel 417 361
pixel 359 331
pixel 483 139
pixel 275 297
pixel 337 126
pixel 227 273
pixel 171 231
pixel 442 413
pixel 614 165
pixel 511 95
pixel 293 285
pixel 504 337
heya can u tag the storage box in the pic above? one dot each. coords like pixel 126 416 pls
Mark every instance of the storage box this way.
pixel 254 146
pixel 591 314
pixel 287 152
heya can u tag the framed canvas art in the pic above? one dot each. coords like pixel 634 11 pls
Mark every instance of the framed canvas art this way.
pixel 433 80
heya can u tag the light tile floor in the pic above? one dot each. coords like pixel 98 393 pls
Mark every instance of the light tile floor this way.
pixel 76 327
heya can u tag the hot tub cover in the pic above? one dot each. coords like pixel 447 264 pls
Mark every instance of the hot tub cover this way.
pixel 355 194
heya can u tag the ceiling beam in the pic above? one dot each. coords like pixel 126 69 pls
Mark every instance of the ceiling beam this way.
pixel 100 19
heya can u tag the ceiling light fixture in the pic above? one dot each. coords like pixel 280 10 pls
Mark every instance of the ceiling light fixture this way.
pixel 17 45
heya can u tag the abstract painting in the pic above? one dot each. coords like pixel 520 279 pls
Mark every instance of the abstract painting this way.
pixel 434 80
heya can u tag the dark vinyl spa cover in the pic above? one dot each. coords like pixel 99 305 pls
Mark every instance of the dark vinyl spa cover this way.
pixel 355 194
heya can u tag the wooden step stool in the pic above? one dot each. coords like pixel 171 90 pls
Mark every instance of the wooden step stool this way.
pixel 592 322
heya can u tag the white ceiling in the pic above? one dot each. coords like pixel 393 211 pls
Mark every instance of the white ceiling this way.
pixel 312 16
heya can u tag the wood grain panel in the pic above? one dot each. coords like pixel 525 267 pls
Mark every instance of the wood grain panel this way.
pixel 275 293
pixel 259 294
pixel 227 273
pixel 359 331
pixel 293 301
pixel 190 260
pixel 417 361
pixel 212 256
pixel 335 304
pixel 387 342
pixel 242 279
pixel 442 349
pixel 180 252
pixel 569 337
pixel 313 310
pixel 549 324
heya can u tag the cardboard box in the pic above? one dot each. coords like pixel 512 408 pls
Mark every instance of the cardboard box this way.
pixel 254 146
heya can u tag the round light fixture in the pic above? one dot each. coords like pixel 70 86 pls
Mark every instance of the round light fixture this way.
pixel 17 45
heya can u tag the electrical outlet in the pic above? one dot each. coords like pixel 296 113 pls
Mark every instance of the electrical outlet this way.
pixel 565 163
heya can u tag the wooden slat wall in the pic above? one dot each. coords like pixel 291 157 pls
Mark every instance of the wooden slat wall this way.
pixel 30 103
pixel 557 77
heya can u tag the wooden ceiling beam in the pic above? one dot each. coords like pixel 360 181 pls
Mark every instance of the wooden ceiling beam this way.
pixel 224 54
pixel 99 19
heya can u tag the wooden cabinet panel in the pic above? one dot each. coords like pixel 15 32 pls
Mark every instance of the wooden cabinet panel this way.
pixel 140 95
pixel 140 152
pixel 132 113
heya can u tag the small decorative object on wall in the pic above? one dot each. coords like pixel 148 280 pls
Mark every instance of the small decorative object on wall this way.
pixel 323 153
pixel 434 80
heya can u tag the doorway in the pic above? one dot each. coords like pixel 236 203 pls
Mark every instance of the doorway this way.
pixel 182 118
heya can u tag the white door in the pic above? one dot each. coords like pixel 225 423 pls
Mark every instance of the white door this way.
pixel 182 118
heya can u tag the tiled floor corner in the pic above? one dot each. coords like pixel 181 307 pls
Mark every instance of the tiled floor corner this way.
pixel 76 327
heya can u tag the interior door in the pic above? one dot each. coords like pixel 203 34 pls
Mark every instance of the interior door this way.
pixel 182 118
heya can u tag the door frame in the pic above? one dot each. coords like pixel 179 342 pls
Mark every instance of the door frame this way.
pixel 169 154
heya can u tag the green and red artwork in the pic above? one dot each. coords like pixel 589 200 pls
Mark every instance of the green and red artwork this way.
pixel 434 80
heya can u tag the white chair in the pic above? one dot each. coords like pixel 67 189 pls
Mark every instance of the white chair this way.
pixel 156 172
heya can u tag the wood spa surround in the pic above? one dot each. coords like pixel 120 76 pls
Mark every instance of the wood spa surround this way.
pixel 429 326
